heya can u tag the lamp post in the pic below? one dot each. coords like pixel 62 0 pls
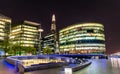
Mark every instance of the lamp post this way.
pixel 39 46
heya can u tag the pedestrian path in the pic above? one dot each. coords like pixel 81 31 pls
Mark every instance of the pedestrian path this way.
pixel 6 68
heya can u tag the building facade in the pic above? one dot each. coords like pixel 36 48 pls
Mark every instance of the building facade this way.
pixel 48 41
pixel 82 38
pixel 5 27
pixel 51 39
pixel 26 33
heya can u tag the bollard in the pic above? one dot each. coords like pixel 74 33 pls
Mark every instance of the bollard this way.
pixel 68 70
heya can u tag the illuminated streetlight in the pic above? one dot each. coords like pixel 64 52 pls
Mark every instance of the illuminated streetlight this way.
pixel 39 46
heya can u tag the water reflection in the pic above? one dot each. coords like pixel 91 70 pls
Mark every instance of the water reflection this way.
pixel 115 61
pixel 99 66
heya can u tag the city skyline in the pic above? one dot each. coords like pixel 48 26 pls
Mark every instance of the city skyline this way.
pixel 68 13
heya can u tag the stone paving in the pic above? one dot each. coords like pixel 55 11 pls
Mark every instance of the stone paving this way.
pixel 6 68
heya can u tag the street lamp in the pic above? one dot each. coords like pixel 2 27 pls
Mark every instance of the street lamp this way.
pixel 39 46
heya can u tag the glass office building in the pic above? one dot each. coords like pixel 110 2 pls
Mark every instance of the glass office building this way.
pixel 82 38
pixel 5 26
pixel 49 41
pixel 26 34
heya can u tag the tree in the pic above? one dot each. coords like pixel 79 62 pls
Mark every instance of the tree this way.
pixel 6 45
pixel 29 49
pixel 47 50
pixel 16 48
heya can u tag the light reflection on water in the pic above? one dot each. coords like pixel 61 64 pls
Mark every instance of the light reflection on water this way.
pixel 101 66
pixel 115 62
pixel 98 66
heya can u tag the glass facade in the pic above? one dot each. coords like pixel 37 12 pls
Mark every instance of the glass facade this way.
pixel 26 34
pixel 49 41
pixel 82 38
pixel 5 26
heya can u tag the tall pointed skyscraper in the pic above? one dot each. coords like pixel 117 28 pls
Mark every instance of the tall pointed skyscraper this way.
pixel 53 31
pixel 51 39
pixel 53 25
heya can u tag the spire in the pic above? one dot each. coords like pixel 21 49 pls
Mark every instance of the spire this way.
pixel 53 17
pixel 53 25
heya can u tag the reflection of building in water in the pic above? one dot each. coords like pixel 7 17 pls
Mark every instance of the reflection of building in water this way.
pixel 115 62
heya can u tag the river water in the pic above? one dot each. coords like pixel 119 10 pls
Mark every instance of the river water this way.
pixel 98 66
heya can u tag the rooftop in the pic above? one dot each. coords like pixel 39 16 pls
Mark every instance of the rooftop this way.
pixel 3 16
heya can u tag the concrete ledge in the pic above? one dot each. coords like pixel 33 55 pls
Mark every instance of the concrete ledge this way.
pixel 11 61
pixel 78 67
pixel 19 67
pixel 44 66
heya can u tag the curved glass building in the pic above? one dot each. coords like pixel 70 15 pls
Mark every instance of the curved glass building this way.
pixel 82 38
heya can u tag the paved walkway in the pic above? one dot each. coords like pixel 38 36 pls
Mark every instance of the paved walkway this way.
pixel 6 68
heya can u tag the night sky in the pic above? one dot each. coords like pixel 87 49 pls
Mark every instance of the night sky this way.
pixel 106 12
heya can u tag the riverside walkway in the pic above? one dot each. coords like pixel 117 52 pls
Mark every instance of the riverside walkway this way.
pixel 98 66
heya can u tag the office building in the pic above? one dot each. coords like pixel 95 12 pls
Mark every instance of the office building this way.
pixel 5 26
pixel 82 38
pixel 26 33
